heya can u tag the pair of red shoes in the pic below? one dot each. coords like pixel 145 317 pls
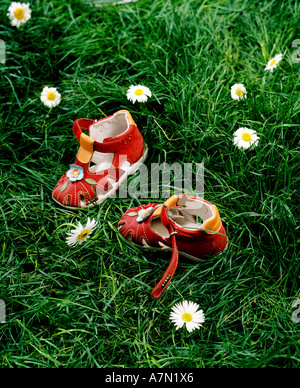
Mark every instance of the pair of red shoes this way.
pixel 113 150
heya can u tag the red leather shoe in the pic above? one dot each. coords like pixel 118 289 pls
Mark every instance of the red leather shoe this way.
pixel 113 149
pixel 174 227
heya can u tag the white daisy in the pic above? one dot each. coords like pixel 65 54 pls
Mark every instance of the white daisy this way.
pixel 186 313
pixel 19 13
pixel 50 97
pixel 273 62
pixel 138 93
pixel 80 233
pixel 238 92
pixel 245 138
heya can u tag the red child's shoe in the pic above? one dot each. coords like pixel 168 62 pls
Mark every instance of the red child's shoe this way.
pixel 173 227
pixel 113 150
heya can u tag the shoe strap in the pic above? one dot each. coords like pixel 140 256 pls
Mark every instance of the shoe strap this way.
pixel 80 124
pixel 110 144
pixel 210 226
pixel 170 271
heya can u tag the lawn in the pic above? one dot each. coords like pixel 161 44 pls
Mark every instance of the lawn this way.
pixel 90 305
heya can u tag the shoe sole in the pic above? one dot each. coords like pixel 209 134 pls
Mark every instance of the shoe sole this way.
pixel 169 249
pixel 131 171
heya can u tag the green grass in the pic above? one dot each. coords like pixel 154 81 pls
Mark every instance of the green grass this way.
pixel 89 306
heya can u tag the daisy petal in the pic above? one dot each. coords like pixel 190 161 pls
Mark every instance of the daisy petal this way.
pixel 80 233
pixel 187 313
pixel 138 93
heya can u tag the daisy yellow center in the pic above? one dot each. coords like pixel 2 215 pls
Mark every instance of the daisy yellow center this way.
pixel 246 136
pixel 138 92
pixel 239 92
pixel 187 317
pixel 19 13
pixel 51 96
pixel 83 235
pixel 273 62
